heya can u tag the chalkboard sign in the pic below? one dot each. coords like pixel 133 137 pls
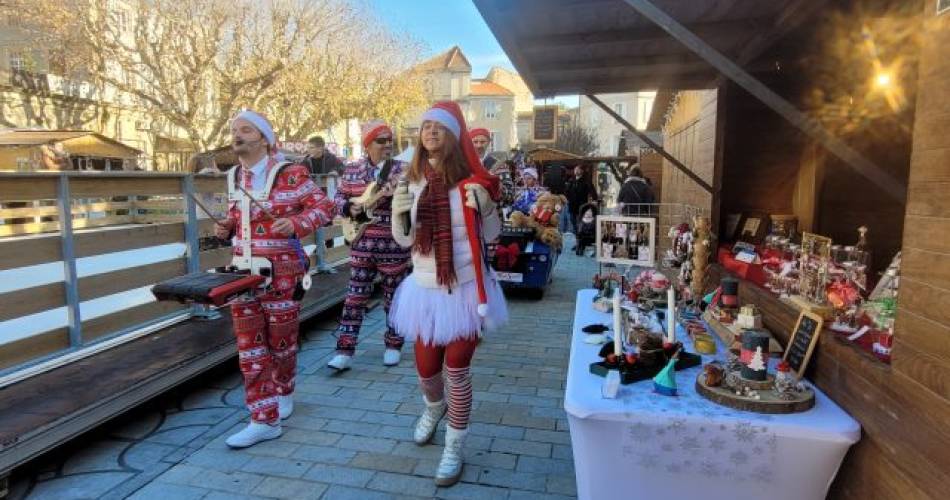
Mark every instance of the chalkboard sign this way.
pixel 803 341
pixel 545 123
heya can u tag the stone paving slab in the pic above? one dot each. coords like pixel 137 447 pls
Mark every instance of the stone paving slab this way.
pixel 350 435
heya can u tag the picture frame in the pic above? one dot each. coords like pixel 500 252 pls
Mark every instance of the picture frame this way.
pixel 626 240
pixel 752 228
pixel 802 342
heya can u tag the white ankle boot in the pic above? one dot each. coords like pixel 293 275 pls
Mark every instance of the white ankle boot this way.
pixel 391 357
pixel 254 433
pixel 285 406
pixel 450 467
pixel 341 362
pixel 429 421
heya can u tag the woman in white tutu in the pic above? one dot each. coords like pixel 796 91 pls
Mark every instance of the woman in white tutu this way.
pixel 445 213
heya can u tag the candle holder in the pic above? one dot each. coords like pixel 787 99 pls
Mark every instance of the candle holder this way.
pixel 644 364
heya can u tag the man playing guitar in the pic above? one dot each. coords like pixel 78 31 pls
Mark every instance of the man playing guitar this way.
pixel 373 249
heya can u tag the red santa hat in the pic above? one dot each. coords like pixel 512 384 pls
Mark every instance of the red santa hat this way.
pixel 449 115
pixel 373 129
pixel 480 132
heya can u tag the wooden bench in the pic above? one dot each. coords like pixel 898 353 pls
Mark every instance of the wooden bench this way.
pixel 48 409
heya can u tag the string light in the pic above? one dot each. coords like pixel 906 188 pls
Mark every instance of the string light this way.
pixel 883 80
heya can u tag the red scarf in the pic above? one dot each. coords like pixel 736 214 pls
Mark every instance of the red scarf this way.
pixel 434 230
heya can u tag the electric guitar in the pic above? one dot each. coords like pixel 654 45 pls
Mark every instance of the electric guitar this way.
pixel 354 227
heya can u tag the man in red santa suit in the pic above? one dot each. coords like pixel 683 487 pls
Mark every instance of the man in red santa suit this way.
pixel 286 206
pixel 445 212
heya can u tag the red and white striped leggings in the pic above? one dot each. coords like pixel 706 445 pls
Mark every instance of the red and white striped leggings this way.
pixel 457 357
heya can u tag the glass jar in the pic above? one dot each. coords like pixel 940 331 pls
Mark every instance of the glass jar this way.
pixel 860 276
pixel 837 254
pixel 850 253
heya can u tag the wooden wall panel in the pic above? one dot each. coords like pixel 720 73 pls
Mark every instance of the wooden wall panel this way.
pixel 924 334
pixel 691 137
pixel 900 416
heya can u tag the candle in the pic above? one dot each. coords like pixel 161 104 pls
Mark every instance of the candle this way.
pixel 670 314
pixel 618 334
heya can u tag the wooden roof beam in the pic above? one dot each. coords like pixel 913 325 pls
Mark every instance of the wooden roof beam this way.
pixel 679 64
pixel 659 149
pixel 881 178
pixel 709 31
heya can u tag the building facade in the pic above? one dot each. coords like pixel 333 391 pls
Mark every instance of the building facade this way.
pixel 492 102
pixel 635 107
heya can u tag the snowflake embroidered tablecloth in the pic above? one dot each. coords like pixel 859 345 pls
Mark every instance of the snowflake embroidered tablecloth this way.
pixel 687 445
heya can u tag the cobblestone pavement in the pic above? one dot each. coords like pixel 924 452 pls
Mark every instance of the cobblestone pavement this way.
pixel 350 434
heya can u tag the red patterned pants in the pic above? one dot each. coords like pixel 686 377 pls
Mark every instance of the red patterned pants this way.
pixel 266 326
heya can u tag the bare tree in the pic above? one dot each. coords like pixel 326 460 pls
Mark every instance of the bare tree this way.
pixel 576 139
pixel 192 64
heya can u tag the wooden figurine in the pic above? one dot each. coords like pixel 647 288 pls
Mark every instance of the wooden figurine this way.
pixel 701 249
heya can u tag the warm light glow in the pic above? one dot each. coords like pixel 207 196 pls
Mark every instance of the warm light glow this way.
pixel 883 80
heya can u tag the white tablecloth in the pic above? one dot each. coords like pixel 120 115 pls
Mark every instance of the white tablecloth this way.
pixel 645 445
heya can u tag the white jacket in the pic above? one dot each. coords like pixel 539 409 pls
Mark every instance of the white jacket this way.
pixel 424 271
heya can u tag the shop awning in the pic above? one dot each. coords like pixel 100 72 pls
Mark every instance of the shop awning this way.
pixel 604 46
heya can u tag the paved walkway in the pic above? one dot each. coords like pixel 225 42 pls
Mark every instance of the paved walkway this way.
pixel 350 434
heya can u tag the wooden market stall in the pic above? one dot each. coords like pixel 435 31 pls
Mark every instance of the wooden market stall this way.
pixel 31 150
pixel 834 112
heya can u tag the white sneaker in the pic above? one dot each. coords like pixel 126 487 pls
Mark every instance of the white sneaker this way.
pixel 254 433
pixel 391 357
pixel 285 406
pixel 450 467
pixel 341 362
pixel 428 421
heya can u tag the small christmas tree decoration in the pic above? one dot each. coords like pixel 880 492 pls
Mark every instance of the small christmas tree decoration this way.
pixel 755 344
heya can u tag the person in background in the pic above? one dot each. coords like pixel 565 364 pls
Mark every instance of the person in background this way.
pixel 579 192
pixel 554 182
pixel 528 194
pixel 321 162
pixel 635 192
pixel 481 139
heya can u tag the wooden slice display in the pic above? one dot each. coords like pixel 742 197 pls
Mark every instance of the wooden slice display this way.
pixel 769 400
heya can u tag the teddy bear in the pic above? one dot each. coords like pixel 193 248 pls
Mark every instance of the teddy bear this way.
pixel 544 217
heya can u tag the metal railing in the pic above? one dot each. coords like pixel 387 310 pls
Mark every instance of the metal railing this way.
pixel 43 256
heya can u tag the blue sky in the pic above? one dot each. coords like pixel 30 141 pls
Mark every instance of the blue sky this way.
pixel 440 24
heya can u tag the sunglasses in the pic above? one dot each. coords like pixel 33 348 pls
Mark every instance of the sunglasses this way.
pixel 383 140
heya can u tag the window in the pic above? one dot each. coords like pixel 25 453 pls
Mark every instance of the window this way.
pixel 121 21
pixel 119 16
pixel 17 61
pixel 620 109
pixel 492 110
pixel 491 141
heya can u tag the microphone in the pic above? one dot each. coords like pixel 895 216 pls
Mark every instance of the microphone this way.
pixel 406 216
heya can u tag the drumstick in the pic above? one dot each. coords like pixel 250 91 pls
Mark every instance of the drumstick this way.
pixel 205 210
pixel 266 212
